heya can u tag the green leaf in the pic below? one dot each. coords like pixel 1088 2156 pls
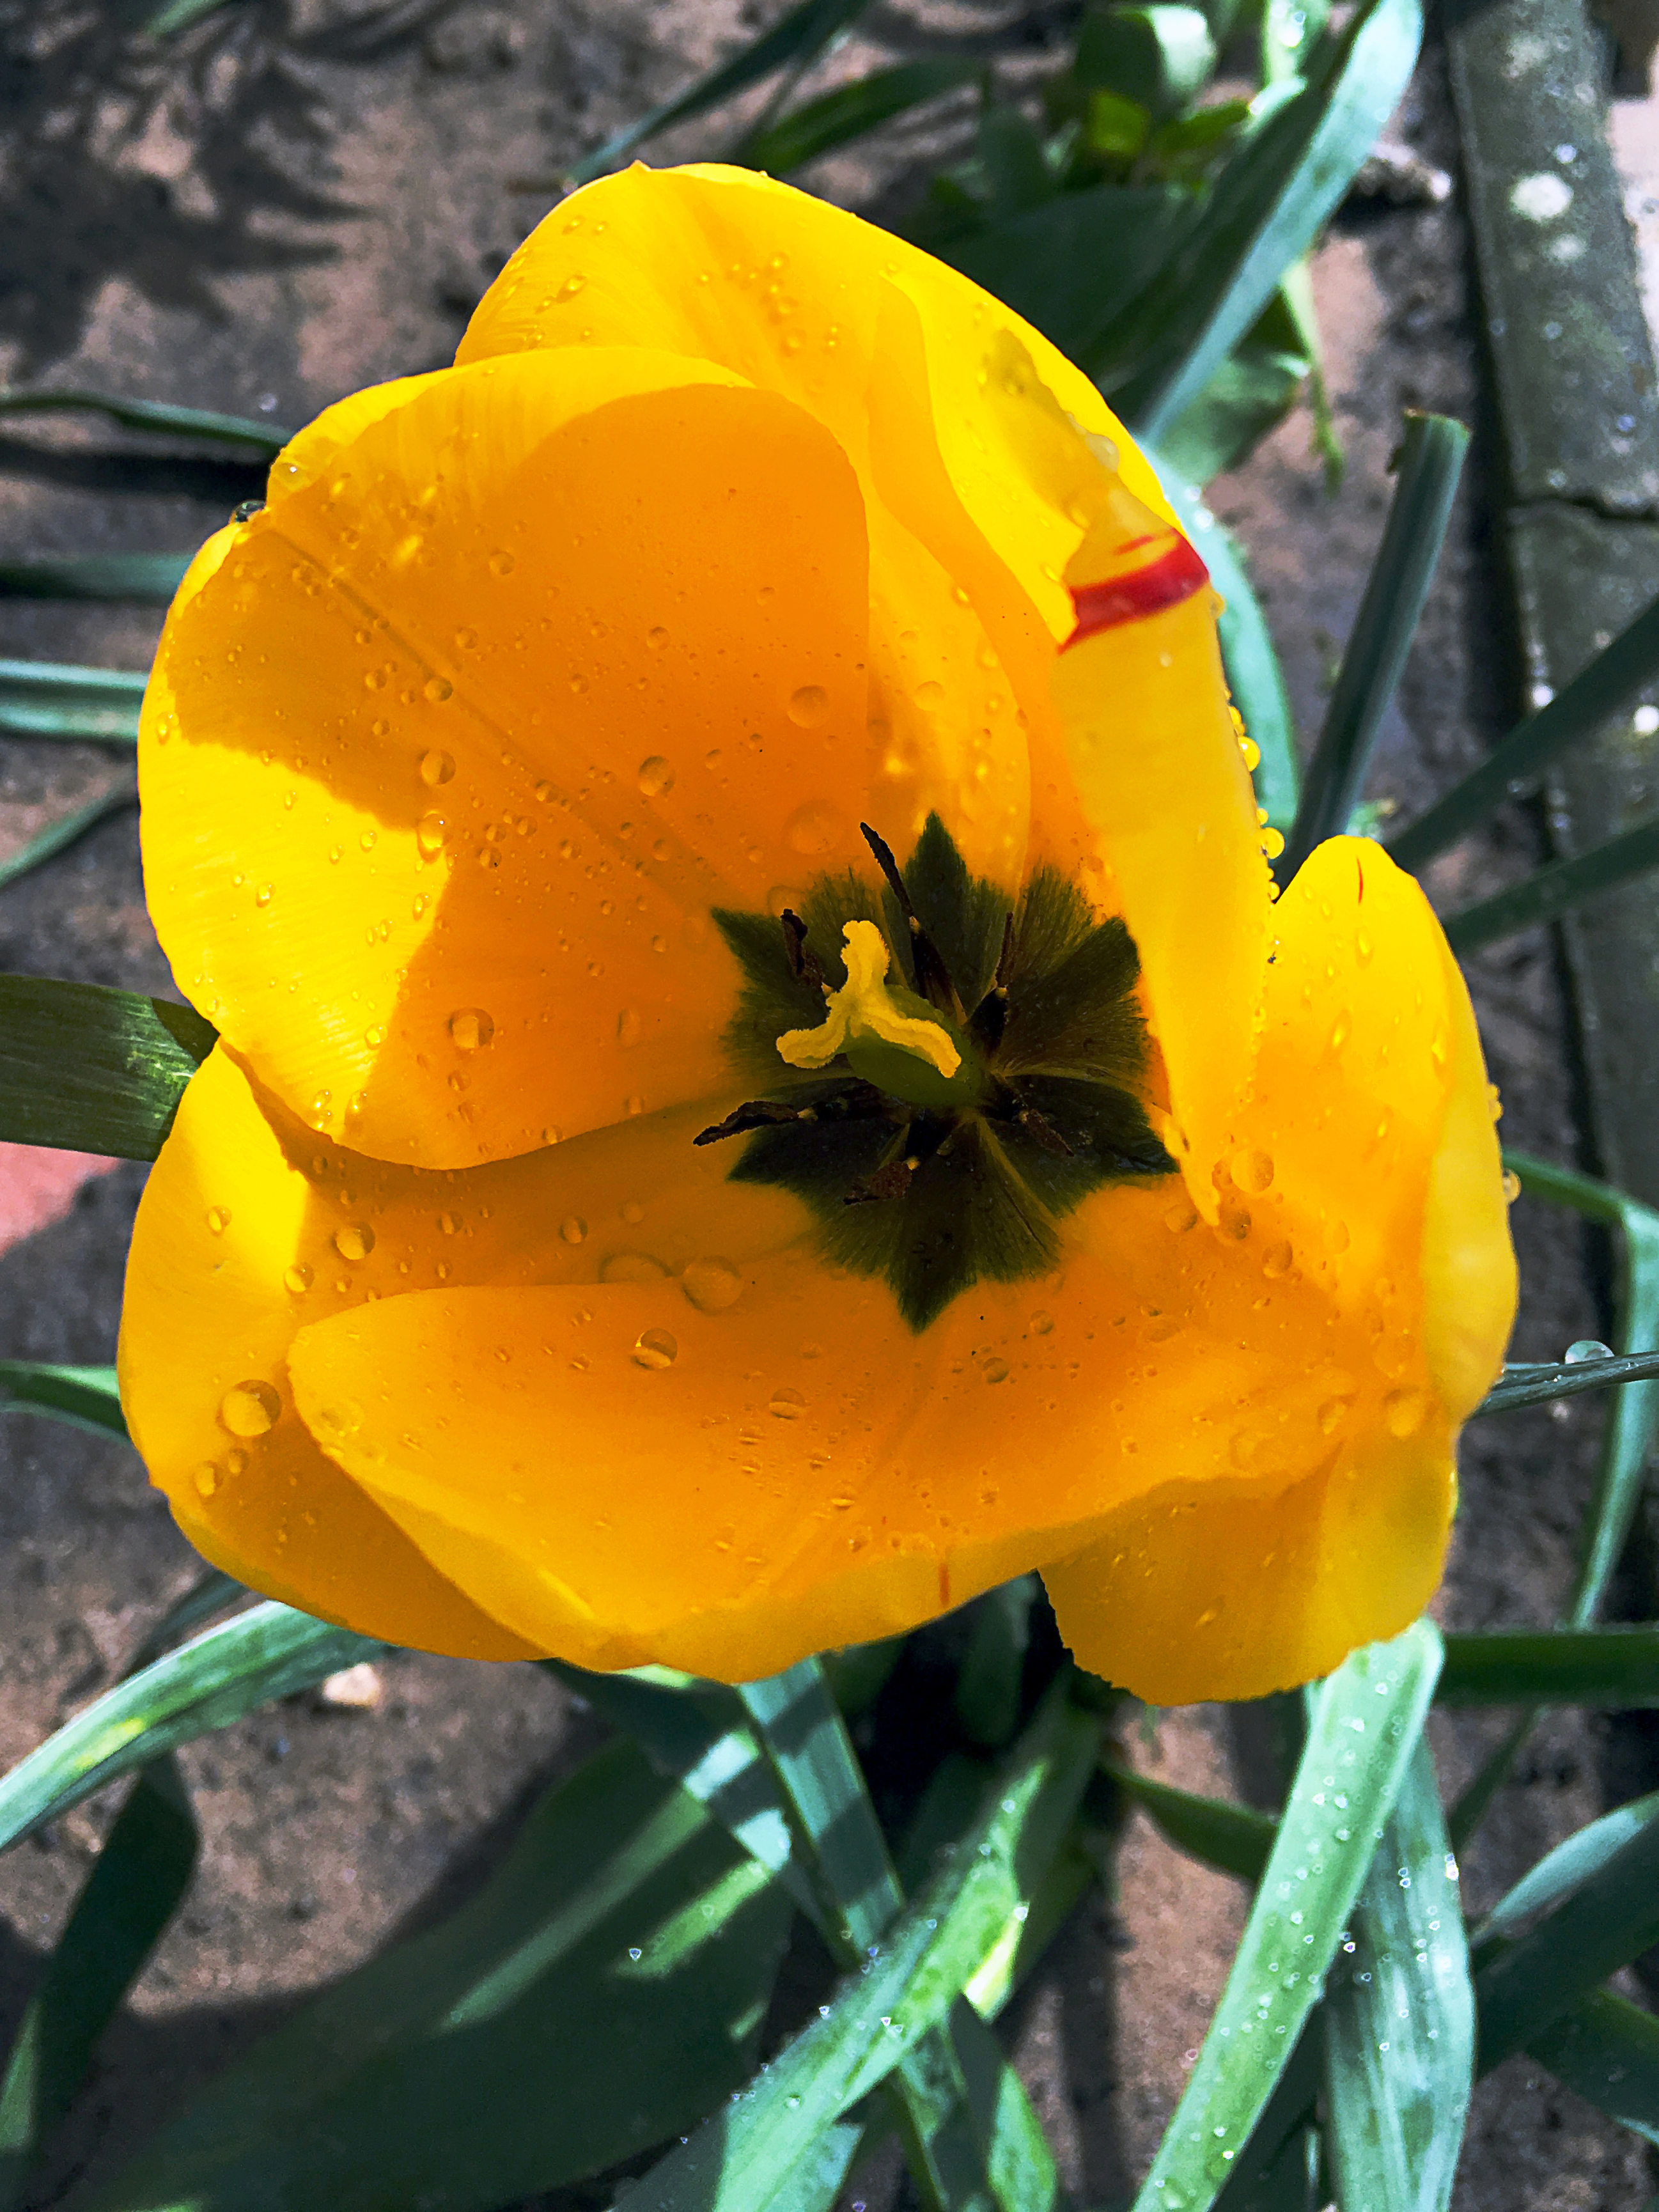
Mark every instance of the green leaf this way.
pixel 1161 56
pixel 91 1070
pixel 991 1677
pixel 1431 461
pixel 602 1990
pixel 1614 1668
pixel 1566 1869
pixel 152 415
pixel 125 1903
pixel 86 1397
pixel 1607 2052
pixel 796 39
pixel 1121 235
pixel 1256 680
pixel 1540 1384
pixel 966 1920
pixel 1253 389
pixel 964 2149
pixel 46 699
pixel 1014 162
pixel 1114 127
pixel 1400 2017
pixel 1264 209
pixel 58 834
pixel 152 578
pixel 1573 716
pixel 819 126
pixel 1237 1838
pixel 1609 1919
pixel 264 1654
pixel 1289 28
pixel 1555 891
pixel 1363 1726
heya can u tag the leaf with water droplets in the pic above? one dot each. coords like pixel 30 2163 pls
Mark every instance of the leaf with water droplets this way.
pixel 1365 1720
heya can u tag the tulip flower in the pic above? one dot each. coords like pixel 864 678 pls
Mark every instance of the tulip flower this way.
pixel 763 1088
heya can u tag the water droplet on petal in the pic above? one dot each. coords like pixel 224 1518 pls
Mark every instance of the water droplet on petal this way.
pixel 1276 1260
pixel 249 1409
pixel 711 1284
pixel 1042 1324
pixel 631 1268
pixel 1403 1411
pixel 572 1229
pixel 437 689
pixel 354 1240
pixel 786 1405
pixel 655 1348
pixel 809 706
pixel 218 1220
pixel 430 834
pixel 628 1026
pixel 1252 1170
pixel 341 1421
pixel 206 1478
pixel 297 1279
pixel 812 829
pixel 656 776
pixel 471 1029
pixel 437 768
pixel 502 564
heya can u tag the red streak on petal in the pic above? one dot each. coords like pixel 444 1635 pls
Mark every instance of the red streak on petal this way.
pixel 1165 582
pixel 39 1186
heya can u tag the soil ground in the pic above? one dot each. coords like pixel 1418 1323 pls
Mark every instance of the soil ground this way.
pixel 316 208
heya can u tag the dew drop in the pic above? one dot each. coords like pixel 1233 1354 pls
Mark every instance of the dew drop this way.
pixel 354 1240
pixel 655 1348
pixel 628 1026
pixel 656 776
pixel 218 1220
pixel 1403 1411
pixel 471 1029
pixel 786 1405
pixel 1252 1170
pixel 1340 1028
pixel 1042 1324
pixel 1332 1414
pixel 430 834
pixel 1181 1217
pixel 572 1229
pixel 437 768
pixel 297 1279
pixel 809 706
pixel 1276 1260
pixel 341 1421
pixel 502 564
pixel 572 284
pixel 448 1224
pixel 657 638
pixel 437 689
pixel 996 1370
pixel 262 896
pixel 711 1284
pixel 929 696
pixel 1511 1186
pixel 1588 1347
pixel 812 828
pixel 206 1478
pixel 249 1409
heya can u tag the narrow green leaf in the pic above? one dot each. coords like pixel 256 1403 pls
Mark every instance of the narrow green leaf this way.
pixel 1161 56
pixel 1253 390
pixel 266 1653
pixel 124 1905
pixel 1555 890
pixel 1278 2170
pixel 1237 1838
pixel 818 126
pixel 1614 1668
pixel 1549 1380
pixel 1363 1726
pixel 991 1674
pixel 1611 681
pixel 1429 463
pixel 47 699
pixel 152 578
pixel 86 1397
pixel 1253 674
pixel 1566 1869
pixel 178 15
pixel 1265 210
pixel 152 415
pixel 1607 1920
pixel 56 835
pixel 91 1070
pixel 1607 2052
pixel 968 1915
pixel 797 38
pixel 1400 2017
pixel 211 1593
pixel 604 1987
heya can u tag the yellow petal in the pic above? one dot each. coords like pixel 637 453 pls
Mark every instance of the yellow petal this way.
pixel 250 1226
pixel 457 746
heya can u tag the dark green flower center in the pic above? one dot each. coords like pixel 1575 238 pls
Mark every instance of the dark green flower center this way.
pixel 938 1185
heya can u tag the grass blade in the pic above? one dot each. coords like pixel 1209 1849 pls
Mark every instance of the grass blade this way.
pixel 63 833
pixel 1237 1838
pixel 151 578
pixel 746 2154
pixel 134 1888
pixel 1253 674
pixel 1555 890
pixel 152 415
pixel 85 1396
pixel 92 1070
pixel 1566 1869
pixel 1429 463
pixel 797 38
pixel 1607 1920
pixel 1266 209
pixel 1400 2017
pixel 1549 1380
pixel 1365 1722
pixel 1616 1669
pixel 48 699
pixel 1607 2052
pixel 851 110
pixel 266 1653
pixel 1618 672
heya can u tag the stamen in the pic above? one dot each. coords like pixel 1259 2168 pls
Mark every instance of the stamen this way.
pixel 933 976
pixel 803 965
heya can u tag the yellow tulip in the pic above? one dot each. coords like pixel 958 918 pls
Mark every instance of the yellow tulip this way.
pixel 762 1089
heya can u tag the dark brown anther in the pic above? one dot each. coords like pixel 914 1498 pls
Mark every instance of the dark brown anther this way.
pixel 1043 1132
pixel 933 977
pixel 803 965
pixel 891 1182
pixel 756 1114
